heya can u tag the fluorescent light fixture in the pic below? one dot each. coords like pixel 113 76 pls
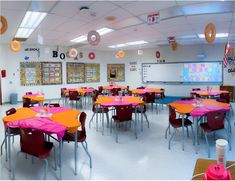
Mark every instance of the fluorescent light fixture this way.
pixel 128 44
pixel 79 39
pixel 218 35
pixel 32 19
pixel 104 31
pixel 101 31
pixel 29 23
pixel 23 32
pixel 137 42
pixel 118 45
pixel 187 37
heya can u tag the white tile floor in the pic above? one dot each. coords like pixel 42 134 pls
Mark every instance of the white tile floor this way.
pixel 147 157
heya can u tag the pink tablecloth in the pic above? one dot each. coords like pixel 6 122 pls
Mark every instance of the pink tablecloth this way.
pixel 203 109
pixel 51 110
pixel 42 124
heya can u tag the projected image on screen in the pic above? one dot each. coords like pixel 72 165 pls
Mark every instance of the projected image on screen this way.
pixel 202 72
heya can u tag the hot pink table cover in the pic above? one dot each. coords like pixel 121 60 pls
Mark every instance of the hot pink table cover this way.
pixel 204 109
pixel 52 110
pixel 42 124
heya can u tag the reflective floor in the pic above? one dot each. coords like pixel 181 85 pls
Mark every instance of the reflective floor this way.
pixel 147 157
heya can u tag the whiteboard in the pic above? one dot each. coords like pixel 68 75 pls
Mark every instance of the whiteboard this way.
pixel 183 72
pixel 167 72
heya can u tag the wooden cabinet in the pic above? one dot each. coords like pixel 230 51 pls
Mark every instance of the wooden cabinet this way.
pixel 229 88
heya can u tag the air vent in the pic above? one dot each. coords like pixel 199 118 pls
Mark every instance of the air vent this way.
pixel 20 39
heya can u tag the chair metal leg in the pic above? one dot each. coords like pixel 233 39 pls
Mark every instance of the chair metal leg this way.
pixel 91 120
pixel 75 152
pixel 146 119
pixel 45 168
pixel 14 167
pixel 169 144
pixel 208 146
pixel 229 139
pixel 107 117
pixel 168 128
pixel 32 160
pixel 193 135
pixel 55 158
pixel 96 121
pixel 116 127
pixel 4 141
pixel 111 125
pixel 88 154
pixel 187 132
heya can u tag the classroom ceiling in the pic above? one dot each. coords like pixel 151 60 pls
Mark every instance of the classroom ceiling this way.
pixel 182 19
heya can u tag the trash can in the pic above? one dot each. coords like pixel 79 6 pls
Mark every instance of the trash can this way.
pixel 13 98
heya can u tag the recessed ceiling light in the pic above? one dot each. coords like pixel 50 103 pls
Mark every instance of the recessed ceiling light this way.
pixel 79 39
pixel 128 44
pixel 218 35
pixel 137 42
pixel 29 23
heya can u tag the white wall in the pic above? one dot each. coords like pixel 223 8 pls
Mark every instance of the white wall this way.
pixel 183 53
pixel 11 62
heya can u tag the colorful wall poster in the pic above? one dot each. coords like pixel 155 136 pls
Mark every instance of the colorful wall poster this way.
pixel 51 73
pixel 116 72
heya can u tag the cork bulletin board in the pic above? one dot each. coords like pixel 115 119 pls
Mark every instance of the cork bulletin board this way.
pixel 51 73
pixel 30 73
pixel 75 72
pixel 116 72
pixel 92 72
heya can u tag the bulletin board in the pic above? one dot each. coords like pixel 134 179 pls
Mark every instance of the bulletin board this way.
pixel 116 72
pixel 30 73
pixel 92 72
pixel 75 72
pixel 51 73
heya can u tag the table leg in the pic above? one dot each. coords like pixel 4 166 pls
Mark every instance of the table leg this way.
pixel 136 122
pixel 196 134
pixel 102 120
pixel 60 145
pixel 75 151
pixel 183 132
pixel 9 148
pixel 142 109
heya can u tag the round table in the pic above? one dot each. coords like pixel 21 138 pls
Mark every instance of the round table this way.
pixel 205 93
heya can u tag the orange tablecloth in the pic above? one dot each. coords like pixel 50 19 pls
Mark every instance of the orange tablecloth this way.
pixel 142 91
pixel 66 118
pixel 79 90
pixel 35 97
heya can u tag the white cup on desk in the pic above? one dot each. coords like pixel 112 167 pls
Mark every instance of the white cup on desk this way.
pixel 221 151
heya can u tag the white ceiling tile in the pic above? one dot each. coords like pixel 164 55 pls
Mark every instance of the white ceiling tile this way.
pixel 142 7
pixel 52 21
pixel 42 6
pixel 126 23
pixel 69 8
pixel 15 5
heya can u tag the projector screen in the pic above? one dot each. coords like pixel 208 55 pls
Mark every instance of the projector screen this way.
pixel 203 72
pixel 183 72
